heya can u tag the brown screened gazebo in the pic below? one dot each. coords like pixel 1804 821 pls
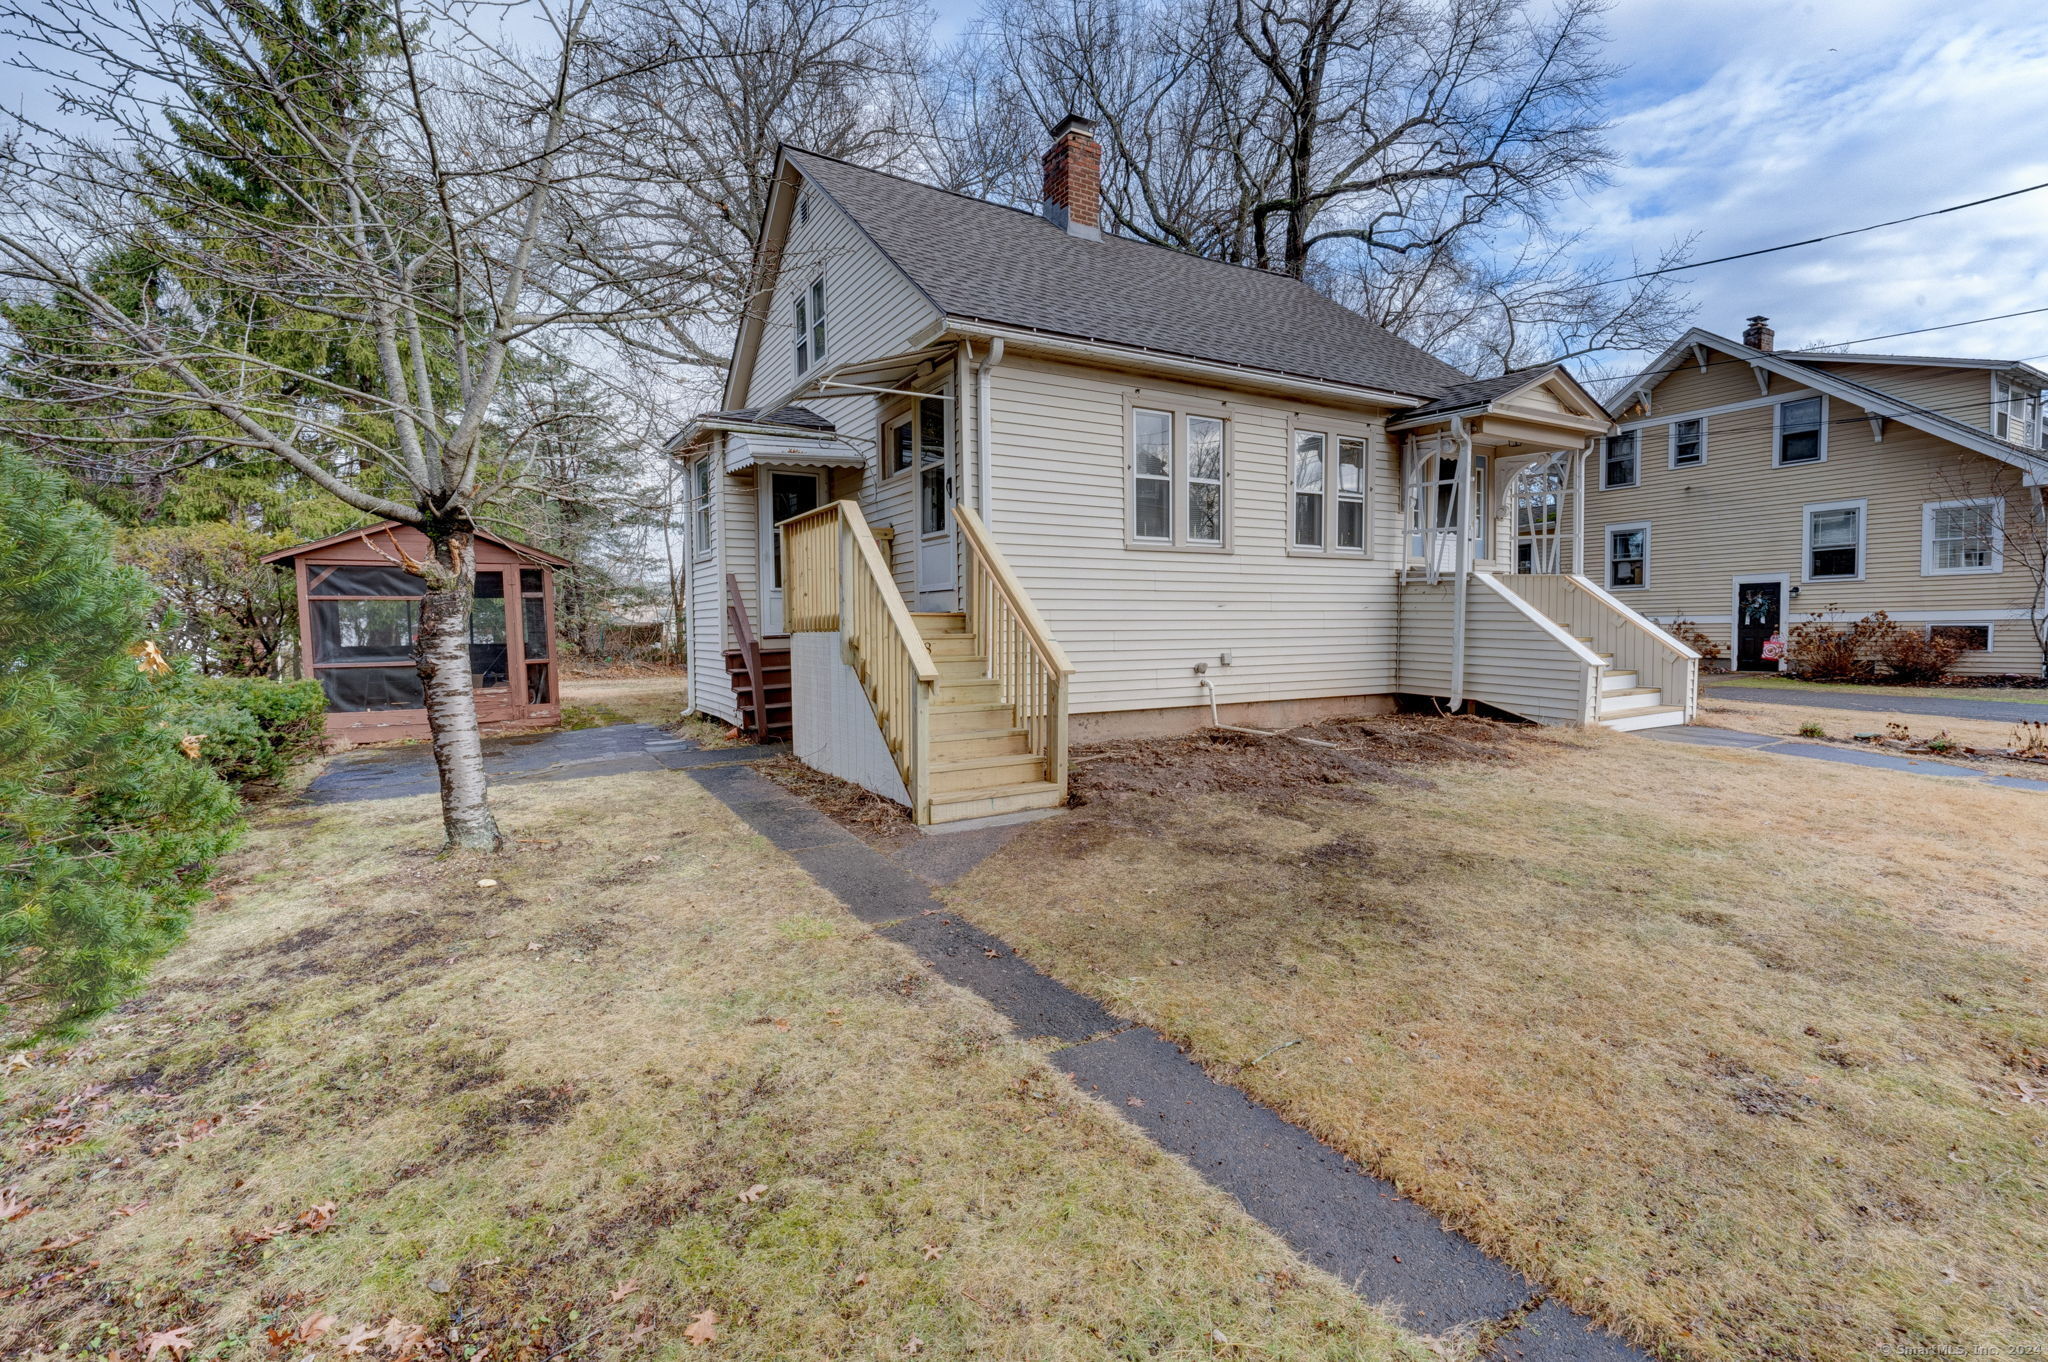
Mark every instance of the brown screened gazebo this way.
pixel 359 618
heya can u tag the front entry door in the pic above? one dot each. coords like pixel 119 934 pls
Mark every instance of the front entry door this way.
pixel 1759 614
pixel 935 491
pixel 786 495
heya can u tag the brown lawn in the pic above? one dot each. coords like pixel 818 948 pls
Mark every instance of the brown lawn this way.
pixel 651 1071
pixel 1744 1054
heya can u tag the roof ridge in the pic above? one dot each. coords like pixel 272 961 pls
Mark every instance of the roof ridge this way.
pixel 1041 218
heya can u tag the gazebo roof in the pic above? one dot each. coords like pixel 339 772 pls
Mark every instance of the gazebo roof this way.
pixel 384 526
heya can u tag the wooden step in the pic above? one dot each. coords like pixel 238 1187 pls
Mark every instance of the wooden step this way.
pixel 1612 680
pixel 979 742
pixel 1660 716
pixel 987 773
pixel 1634 698
pixel 955 806
pixel 933 623
pixel 964 690
pixel 974 717
pixel 945 647
pixel 961 669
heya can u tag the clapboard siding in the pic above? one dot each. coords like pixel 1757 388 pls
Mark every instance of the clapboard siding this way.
pixel 1959 394
pixel 710 688
pixel 1511 661
pixel 1739 516
pixel 871 309
pixel 1136 621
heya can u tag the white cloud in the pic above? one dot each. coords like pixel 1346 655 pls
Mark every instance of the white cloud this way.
pixel 1752 124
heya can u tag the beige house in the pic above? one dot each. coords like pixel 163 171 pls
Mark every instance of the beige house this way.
pixel 989 479
pixel 1746 489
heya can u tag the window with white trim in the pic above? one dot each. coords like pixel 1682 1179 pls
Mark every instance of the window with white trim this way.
pixel 810 325
pixel 1689 442
pixel 1801 431
pixel 1628 556
pixel 1618 466
pixel 1962 536
pixel 1331 486
pixel 1179 461
pixel 2016 414
pixel 1834 540
pixel 1971 638
pixel 700 506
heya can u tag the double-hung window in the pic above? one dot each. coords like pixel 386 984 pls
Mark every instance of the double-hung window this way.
pixel 810 325
pixel 1329 491
pixel 700 506
pixel 1178 464
pixel 1628 556
pixel 1618 467
pixel 2016 414
pixel 1689 442
pixel 1801 431
pixel 1961 537
pixel 1834 540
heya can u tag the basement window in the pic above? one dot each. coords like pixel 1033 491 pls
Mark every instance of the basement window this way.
pixel 1971 638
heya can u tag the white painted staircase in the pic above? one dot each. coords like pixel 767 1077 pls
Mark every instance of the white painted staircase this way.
pixel 981 758
pixel 1625 704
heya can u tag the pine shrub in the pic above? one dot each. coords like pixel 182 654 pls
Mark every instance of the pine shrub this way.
pixel 252 728
pixel 108 829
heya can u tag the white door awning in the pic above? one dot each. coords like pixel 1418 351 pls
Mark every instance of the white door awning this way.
pixel 752 449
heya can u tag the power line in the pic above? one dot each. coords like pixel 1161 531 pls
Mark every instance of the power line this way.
pixel 1831 236
pixel 1822 355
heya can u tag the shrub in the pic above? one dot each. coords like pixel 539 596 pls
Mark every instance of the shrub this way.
pixel 1916 658
pixel 255 729
pixel 1813 728
pixel 108 831
pixel 1695 638
pixel 1874 648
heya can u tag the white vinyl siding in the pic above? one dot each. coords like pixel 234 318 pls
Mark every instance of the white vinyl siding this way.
pixel 1801 431
pixel 1962 537
pixel 1834 541
pixel 1628 557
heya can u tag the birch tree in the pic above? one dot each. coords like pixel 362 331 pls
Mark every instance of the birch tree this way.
pixel 434 201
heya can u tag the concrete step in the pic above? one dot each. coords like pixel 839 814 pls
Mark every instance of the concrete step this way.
pixel 980 742
pixel 1662 716
pixel 933 624
pixel 987 773
pixel 959 805
pixel 1624 701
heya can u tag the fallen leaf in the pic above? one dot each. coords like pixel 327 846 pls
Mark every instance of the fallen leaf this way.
pixel 172 1341
pixel 313 1327
pixel 19 1060
pixel 399 1337
pixel 932 1252
pixel 137 1208
pixel 623 1290
pixel 150 659
pixel 54 1245
pixel 357 1340
pixel 1134 1101
pixel 535 946
pixel 318 1218
pixel 487 884
pixel 703 1329
pixel 861 1279
pixel 754 1193
pixel 12 1207
pixel 912 1346
pixel 189 744
pixel 1216 1336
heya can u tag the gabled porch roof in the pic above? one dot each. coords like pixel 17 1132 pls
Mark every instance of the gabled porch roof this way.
pixel 1542 406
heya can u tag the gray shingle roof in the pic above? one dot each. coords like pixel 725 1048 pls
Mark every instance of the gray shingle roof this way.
pixel 801 418
pixel 1477 392
pixel 984 262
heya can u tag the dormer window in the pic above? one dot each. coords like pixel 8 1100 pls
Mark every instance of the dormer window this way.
pixel 810 326
pixel 2016 415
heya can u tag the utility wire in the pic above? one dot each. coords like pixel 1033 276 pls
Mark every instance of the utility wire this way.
pixel 1822 355
pixel 1831 236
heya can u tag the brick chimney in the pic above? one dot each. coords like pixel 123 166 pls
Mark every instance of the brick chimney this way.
pixel 1759 336
pixel 1073 179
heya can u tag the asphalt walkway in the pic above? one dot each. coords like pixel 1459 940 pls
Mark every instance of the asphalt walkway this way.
pixel 396 772
pixel 1701 736
pixel 1998 711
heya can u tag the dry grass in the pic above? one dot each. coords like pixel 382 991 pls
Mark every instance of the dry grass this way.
pixel 650 697
pixel 519 1097
pixel 1843 724
pixel 1729 1048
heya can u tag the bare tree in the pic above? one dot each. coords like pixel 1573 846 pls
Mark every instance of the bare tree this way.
pixel 1404 156
pixel 438 200
pixel 1992 515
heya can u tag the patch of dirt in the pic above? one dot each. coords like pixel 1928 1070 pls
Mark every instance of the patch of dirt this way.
pixel 866 814
pixel 523 1110
pixel 1333 759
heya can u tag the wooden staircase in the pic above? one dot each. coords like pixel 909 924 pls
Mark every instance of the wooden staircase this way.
pixel 1627 705
pixel 766 717
pixel 981 758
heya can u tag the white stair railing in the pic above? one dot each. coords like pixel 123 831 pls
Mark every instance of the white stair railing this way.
pixel 1029 667
pixel 835 578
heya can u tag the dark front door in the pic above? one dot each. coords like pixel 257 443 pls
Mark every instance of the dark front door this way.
pixel 1758 608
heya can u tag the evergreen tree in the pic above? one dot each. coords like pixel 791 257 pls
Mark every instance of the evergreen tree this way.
pixel 109 827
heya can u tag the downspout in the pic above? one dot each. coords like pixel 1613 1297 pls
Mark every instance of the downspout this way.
pixel 1464 574
pixel 984 452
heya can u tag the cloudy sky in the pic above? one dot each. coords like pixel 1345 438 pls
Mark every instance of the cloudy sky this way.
pixel 1753 122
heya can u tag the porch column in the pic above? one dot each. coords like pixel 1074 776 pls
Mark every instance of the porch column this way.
pixel 1579 506
pixel 1464 573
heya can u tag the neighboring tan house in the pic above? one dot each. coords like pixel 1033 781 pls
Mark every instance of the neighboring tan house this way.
pixel 1748 489
pixel 986 478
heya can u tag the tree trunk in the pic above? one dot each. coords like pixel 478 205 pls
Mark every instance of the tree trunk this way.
pixel 444 666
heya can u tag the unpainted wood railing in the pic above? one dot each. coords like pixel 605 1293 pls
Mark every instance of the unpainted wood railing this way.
pixel 1028 666
pixel 756 725
pixel 835 578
